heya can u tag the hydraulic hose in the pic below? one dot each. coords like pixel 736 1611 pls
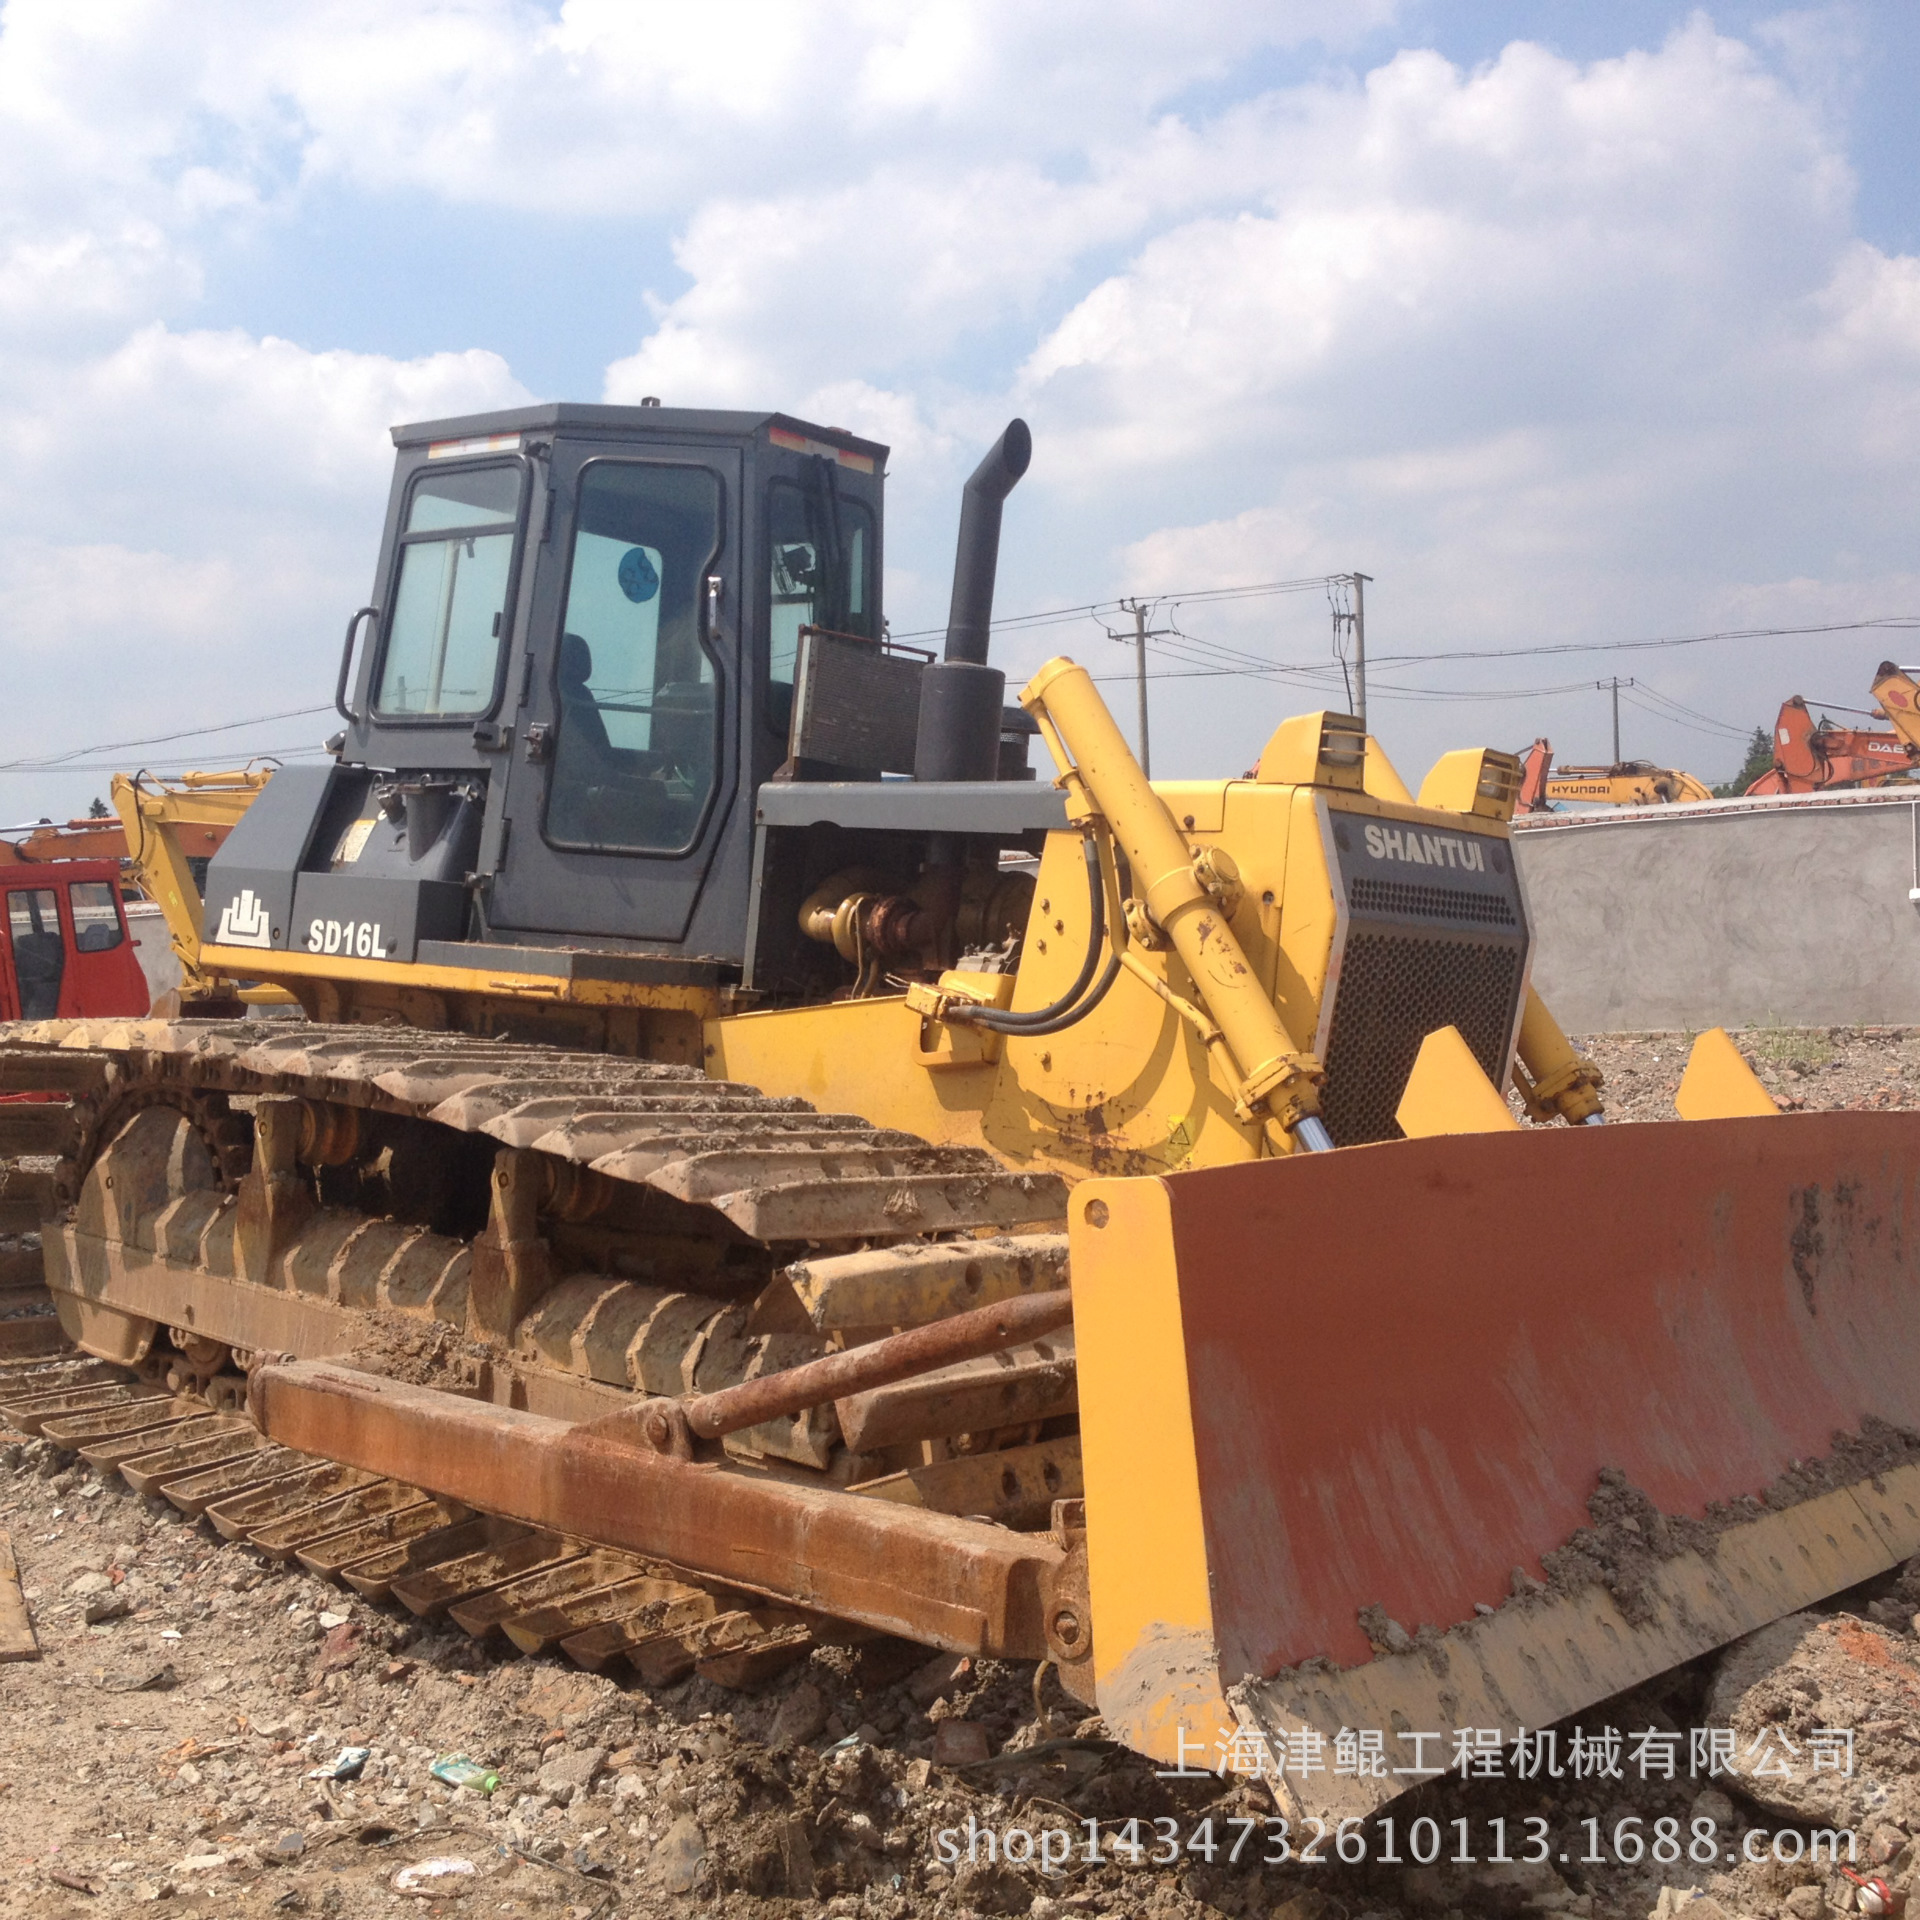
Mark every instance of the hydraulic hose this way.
pixel 995 1021
pixel 1064 1011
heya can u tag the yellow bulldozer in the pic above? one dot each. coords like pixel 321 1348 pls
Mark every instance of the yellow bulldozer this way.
pixel 761 1160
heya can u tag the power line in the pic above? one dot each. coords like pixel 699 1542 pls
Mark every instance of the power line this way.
pixel 1898 623
pixel 161 768
pixel 57 762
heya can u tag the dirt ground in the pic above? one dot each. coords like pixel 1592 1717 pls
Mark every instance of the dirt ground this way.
pixel 1804 1068
pixel 166 1753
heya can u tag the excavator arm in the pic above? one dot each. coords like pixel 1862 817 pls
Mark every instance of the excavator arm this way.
pixel 169 825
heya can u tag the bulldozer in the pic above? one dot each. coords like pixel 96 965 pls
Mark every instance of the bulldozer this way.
pixel 746 1132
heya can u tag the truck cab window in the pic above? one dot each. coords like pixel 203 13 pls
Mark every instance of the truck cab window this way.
pixel 442 655
pixel 821 546
pixel 96 916
pixel 39 956
pixel 637 741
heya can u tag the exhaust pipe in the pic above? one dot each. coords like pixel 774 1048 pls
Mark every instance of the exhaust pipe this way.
pixel 978 557
pixel 961 697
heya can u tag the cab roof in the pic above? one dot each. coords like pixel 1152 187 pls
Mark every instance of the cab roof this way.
pixel 566 416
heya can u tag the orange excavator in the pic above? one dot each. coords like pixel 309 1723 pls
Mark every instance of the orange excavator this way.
pixel 1627 783
pixel 1809 757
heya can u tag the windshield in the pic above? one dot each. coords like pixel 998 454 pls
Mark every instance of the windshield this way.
pixel 442 656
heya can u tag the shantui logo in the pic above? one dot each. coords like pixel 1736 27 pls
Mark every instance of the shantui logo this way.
pixel 243 922
pixel 1419 849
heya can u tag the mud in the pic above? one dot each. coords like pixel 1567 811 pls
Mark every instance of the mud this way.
pixel 420 1353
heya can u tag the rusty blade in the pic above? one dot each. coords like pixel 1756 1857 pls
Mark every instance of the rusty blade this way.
pixel 1388 1376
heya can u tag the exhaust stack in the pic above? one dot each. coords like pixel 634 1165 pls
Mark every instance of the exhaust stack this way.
pixel 961 697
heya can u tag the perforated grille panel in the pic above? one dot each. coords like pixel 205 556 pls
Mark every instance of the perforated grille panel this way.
pixel 1417 952
pixel 1394 990
pixel 1417 902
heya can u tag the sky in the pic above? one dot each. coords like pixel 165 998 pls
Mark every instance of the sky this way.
pixel 1570 326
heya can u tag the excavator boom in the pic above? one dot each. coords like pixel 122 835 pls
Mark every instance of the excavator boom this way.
pixel 1629 783
pixel 1809 757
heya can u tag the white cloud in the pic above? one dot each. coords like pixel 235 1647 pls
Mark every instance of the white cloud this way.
pixel 189 521
pixel 1552 349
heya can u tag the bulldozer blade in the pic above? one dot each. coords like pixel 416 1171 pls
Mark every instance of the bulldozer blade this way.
pixel 1343 1415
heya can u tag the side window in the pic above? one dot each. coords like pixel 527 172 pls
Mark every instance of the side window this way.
pixel 637 745
pixel 822 543
pixel 39 957
pixel 96 916
pixel 443 647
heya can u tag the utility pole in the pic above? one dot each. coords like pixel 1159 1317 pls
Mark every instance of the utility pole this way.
pixel 1614 685
pixel 1138 608
pixel 1360 648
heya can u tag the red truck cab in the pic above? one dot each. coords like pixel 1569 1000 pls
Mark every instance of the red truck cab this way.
pixel 65 949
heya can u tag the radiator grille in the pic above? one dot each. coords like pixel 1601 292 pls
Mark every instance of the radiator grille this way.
pixel 1394 990
pixel 1411 900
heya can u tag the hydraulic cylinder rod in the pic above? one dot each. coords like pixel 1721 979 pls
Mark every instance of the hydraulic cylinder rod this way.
pixel 1552 1077
pixel 1275 1074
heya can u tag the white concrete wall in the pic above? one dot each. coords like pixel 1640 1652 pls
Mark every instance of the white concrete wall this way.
pixel 1787 912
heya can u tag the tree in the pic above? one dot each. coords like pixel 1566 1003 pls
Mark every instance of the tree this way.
pixel 1759 759
pixel 98 811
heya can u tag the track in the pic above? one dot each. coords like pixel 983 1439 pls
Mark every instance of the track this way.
pixel 388 1541
pixel 513 1234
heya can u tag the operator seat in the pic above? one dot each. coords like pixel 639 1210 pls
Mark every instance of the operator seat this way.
pixel 579 710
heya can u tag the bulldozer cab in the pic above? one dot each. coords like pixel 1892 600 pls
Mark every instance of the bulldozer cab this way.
pixel 576 669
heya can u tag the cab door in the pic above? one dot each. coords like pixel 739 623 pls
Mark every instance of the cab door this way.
pixel 36 953
pixel 625 762
pixel 104 975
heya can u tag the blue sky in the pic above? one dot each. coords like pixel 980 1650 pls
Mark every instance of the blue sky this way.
pixel 1569 324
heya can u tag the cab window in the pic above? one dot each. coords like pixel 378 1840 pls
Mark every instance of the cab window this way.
pixel 442 657
pixel 636 746
pixel 96 916
pixel 822 546
pixel 39 956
